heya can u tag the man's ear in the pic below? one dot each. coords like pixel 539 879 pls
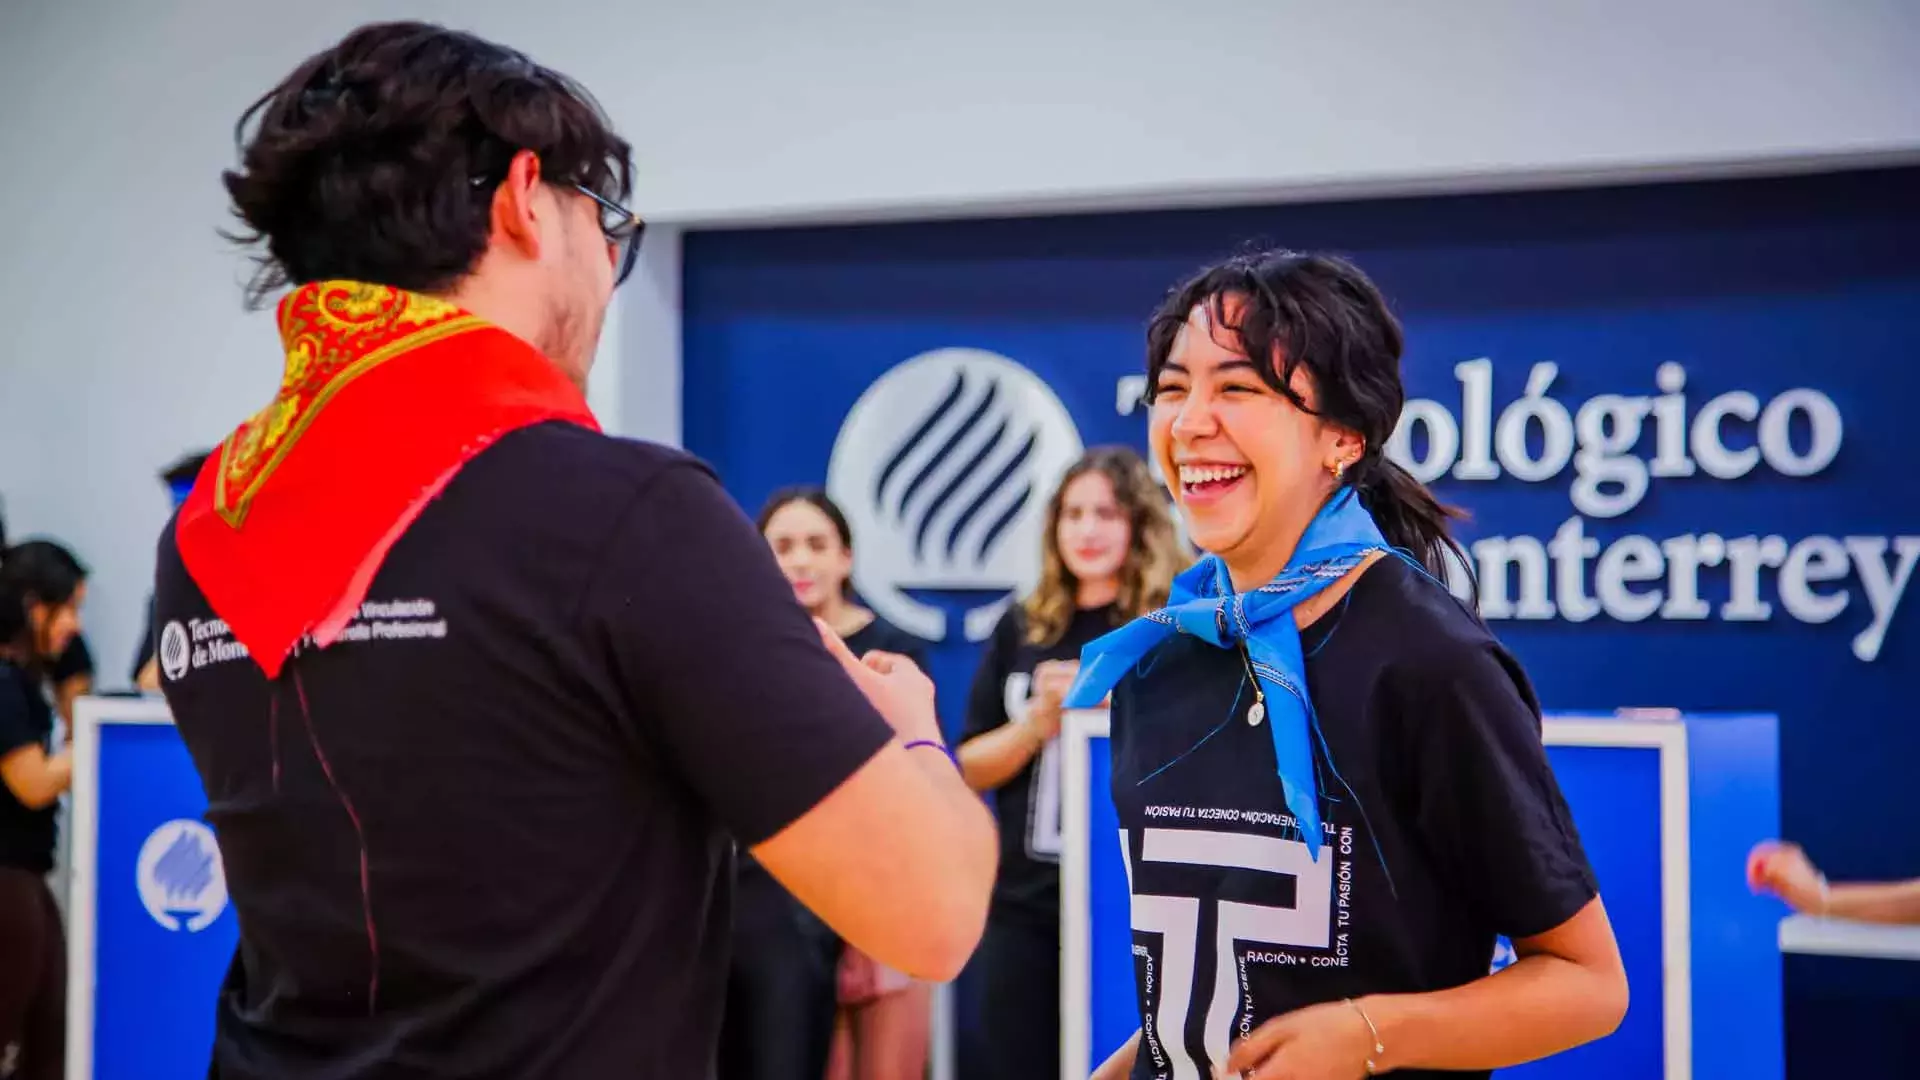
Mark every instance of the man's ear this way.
pixel 515 216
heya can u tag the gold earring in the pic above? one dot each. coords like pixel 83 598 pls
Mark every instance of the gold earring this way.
pixel 1339 471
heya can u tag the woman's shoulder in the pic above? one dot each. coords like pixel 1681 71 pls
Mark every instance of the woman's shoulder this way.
pixel 1409 619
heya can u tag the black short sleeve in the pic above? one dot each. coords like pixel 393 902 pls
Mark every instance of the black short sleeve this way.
pixel 721 668
pixel 75 662
pixel 17 726
pixel 1489 805
pixel 986 698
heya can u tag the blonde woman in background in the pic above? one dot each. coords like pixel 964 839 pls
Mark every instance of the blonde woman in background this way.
pixel 1109 554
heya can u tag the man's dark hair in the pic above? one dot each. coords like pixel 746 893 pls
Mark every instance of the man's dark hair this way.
pixel 377 159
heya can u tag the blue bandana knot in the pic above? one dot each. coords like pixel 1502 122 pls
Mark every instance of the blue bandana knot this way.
pixel 1203 604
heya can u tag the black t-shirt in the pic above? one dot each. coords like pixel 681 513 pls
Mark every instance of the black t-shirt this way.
pixel 881 635
pixel 489 832
pixel 757 887
pixel 1443 826
pixel 1028 805
pixel 26 836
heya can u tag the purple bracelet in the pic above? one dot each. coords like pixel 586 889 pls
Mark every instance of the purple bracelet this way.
pixel 940 746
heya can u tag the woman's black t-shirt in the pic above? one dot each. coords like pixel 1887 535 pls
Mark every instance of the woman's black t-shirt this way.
pixel 1443 826
pixel 26 836
pixel 1028 805
pixel 883 636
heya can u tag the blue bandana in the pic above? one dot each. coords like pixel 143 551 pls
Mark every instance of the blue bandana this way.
pixel 1202 603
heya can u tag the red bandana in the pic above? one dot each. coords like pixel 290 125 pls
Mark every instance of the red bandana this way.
pixel 386 395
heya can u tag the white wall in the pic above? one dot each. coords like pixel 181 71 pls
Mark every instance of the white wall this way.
pixel 124 339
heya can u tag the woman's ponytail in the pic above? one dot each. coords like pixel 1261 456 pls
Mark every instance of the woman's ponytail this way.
pixel 1411 518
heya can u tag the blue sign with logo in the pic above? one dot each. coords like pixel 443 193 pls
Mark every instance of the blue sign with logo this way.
pixel 1677 415
pixel 162 932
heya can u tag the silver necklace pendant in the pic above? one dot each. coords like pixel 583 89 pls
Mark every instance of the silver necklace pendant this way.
pixel 1257 713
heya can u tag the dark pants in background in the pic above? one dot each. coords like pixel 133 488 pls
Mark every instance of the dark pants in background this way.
pixel 1020 998
pixel 782 989
pixel 33 979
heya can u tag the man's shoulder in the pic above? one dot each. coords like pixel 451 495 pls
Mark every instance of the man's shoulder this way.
pixel 540 451
pixel 567 473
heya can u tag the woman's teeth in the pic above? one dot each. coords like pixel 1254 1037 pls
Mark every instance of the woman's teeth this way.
pixel 1195 475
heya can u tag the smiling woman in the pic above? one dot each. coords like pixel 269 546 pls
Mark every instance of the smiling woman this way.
pixel 1328 772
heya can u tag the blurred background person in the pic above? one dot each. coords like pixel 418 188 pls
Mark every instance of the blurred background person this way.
pixel 42 586
pixel 69 677
pixel 1109 553
pixel 782 987
pixel 1782 869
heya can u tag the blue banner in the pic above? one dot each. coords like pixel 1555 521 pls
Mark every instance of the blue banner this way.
pixel 163 930
pixel 1677 415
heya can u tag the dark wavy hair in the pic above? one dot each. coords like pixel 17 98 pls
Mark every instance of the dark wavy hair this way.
pixel 1319 312
pixel 376 160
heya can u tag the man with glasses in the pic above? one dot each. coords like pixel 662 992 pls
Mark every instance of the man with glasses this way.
pixel 482 698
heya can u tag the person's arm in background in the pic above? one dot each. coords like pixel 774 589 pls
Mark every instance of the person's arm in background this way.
pixel 1785 871
pixel 804 754
pixel 34 777
pixel 996 746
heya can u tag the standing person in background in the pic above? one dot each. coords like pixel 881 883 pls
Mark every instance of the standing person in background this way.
pixel 179 478
pixel 1312 698
pixel 69 675
pixel 782 990
pixel 1108 554
pixel 1783 870
pixel 42 587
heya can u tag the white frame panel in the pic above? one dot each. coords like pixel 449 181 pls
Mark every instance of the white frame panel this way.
pixel 90 715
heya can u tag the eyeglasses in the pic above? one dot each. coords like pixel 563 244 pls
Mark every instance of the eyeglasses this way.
pixel 621 226
pixel 623 229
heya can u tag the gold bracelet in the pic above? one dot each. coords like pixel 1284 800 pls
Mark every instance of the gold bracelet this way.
pixel 1379 1048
